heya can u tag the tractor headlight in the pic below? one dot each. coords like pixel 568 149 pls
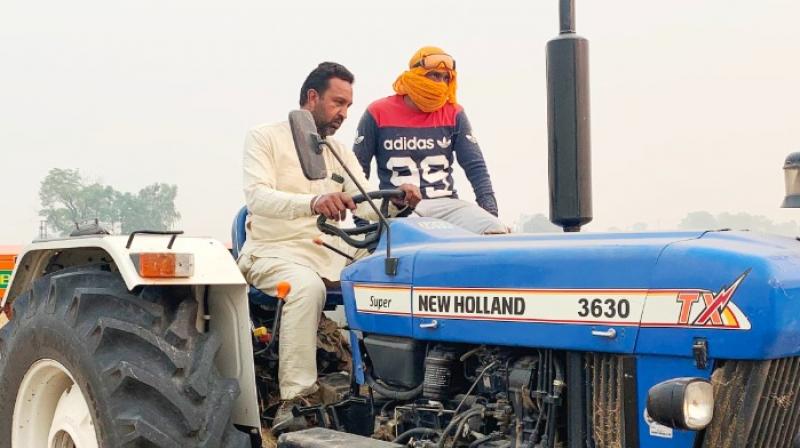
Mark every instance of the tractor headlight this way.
pixel 682 403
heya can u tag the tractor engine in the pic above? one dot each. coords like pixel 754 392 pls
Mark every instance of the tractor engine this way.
pixel 465 395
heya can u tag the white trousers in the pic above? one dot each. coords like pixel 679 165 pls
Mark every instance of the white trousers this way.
pixel 297 366
pixel 466 215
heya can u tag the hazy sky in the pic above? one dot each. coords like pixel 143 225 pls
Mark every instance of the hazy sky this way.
pixel 695 104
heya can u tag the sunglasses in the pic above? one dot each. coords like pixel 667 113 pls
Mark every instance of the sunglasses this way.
pixel 434 61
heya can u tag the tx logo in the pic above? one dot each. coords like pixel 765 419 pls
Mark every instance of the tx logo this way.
pixel 704 308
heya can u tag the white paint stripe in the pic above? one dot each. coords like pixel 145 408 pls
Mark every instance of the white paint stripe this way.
pixel 588 307
pixel 383 299
pixel 622 307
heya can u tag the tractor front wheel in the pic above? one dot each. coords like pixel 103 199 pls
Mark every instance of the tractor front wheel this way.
pixel 86 363
pixel 50 404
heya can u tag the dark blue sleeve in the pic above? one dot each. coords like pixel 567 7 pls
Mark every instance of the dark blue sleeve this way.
pixel 364 148
pixel 364 144
pixel 471 160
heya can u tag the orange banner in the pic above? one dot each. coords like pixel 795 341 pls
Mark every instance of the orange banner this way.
pixel 8 256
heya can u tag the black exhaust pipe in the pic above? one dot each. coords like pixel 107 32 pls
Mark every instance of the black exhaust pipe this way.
pixel 569 125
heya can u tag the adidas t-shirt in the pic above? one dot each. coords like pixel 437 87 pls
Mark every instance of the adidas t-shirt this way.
pixel 416 147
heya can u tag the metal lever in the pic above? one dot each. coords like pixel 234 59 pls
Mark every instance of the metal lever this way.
pixel 610 333
pixel 432 324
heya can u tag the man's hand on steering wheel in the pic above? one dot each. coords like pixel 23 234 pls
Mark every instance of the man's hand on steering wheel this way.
pixel 412 197
pixel 333 205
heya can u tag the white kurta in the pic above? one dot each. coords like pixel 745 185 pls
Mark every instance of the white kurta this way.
pixel 278 195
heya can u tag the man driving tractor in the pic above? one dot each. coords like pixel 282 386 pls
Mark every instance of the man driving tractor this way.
pixel 281 227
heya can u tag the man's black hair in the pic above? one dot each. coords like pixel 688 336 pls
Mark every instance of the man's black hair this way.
pixel 319 79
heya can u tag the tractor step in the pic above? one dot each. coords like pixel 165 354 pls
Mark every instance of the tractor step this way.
pixel 327 438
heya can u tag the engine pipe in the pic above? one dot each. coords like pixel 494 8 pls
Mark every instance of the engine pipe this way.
pixel 421 432
pixel 568 125
pixel 456 421
pixel 390 392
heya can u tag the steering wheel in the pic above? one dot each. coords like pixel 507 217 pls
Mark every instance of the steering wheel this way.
pixel 374 228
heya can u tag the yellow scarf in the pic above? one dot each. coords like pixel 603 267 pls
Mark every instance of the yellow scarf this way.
pixel 427 94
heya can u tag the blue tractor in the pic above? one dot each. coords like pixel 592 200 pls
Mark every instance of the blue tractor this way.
pixel 677 339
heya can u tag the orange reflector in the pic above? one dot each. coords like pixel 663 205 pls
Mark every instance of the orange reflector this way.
pixel 283 290
pixel 163 264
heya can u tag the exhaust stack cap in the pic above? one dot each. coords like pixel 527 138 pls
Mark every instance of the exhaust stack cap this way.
pixel 791 172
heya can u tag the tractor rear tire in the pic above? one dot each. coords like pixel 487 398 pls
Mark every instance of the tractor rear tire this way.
pixel 145 374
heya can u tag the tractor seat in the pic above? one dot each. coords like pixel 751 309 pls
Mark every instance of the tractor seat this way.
pixel 256 296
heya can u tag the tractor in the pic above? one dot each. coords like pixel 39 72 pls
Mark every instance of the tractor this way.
pixel 573 340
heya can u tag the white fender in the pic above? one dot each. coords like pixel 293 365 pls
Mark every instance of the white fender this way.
pixel 229 312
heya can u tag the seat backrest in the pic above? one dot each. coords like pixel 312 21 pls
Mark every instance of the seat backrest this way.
pixel 238 233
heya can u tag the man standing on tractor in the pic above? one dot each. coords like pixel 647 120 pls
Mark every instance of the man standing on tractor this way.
pixel 281 227
pixel 414 135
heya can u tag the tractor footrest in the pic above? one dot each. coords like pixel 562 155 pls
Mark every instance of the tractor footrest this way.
pixel 328 438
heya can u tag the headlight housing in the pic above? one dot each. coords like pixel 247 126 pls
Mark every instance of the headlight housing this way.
pixel 682 403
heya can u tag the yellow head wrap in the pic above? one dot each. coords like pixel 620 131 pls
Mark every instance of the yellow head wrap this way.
pixel 427 94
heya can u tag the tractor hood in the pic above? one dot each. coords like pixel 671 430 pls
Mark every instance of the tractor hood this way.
pixel 626 293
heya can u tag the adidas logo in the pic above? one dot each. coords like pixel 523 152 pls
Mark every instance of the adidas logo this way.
pixel 444 142
pixel 412 144
pixel 471 138
pixel 359 139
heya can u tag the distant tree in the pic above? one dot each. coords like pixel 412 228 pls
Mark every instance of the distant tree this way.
pixel 68 200
pixel 699 221
pixel 537 223
pixel 152 209
pixel 738 221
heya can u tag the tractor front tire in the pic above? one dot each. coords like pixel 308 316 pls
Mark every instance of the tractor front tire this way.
pixel 85 358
